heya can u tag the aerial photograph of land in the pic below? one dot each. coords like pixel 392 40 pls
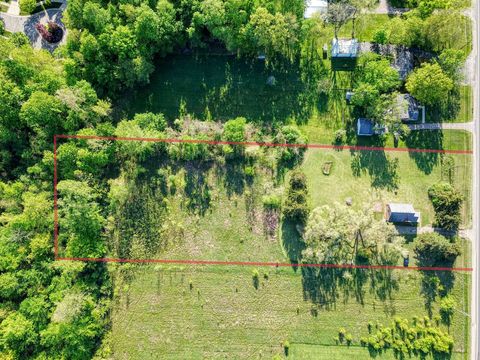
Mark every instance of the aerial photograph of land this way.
pixel 239 179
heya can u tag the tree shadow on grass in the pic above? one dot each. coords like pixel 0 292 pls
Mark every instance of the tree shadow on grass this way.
pixel 226 85
pixel 233 174
pixel 382 169
pixel 425 139
pixel 292 243
pixel 435 283
pixel 197 190
pixel 323 286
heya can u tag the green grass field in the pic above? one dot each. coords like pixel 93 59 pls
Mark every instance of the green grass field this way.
pixel 216 313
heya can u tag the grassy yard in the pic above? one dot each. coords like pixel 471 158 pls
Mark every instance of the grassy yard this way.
pixel 373 178
pixel 221 85
pixel 216 313
pixel 465 113
pixel 365 26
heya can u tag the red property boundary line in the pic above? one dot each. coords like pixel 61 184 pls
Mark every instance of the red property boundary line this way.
pixel 235 263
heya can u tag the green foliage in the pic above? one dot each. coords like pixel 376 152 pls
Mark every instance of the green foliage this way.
pixel 80 216
pixel 19 335
pixel 404 339
pixel 272 201
pixel 447 203
pixel 380 36
pixel 296 207
pixel 255 278
pixel 377 72
pixel 451 61
pixel 290 134
pixel 432 249
pixel 234 131
pixel 341 235
pixel 27 6
pixel 429 84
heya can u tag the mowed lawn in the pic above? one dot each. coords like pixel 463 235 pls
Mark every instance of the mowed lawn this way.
pixel 213 312
pixel 371 178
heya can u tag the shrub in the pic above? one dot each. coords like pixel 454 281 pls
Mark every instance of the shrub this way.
pixel 296 206
pixel 255 278
pixel 151 121
pixel 2 27
pixel 290 134
pixel 340 136
pixel 447 203
pixel 27 6
pixel 349 339
pixel 272 201
pixel 234 131
pixel 341 334
pixel 19 39
pixel 286 347
pixel 447 308
pixel 380 36
pixel 249 171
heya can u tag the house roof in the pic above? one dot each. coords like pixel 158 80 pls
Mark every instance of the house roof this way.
pixel 403 213
pixel 364 127
pixel 408 106
pixel 345 48
pixel 315 6
pixel 401 208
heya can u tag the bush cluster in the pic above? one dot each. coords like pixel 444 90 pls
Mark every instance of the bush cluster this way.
pixel 420 339
pixel 447 203
pixel 296 207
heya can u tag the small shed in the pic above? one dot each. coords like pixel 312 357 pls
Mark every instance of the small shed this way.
pixel 410 110
pixel 402 213
pixel 313 7
pixel 348 96
pixel 366 127
pixel 344 54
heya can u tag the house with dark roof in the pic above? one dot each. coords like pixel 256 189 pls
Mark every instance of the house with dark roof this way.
pixel 402 213
pixel 409 109
pixel 344 54
pixel 366 127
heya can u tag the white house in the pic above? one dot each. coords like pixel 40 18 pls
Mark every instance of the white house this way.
pixel 315 7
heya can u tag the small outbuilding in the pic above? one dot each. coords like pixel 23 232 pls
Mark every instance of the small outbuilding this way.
pixel 313 7
pixel 366 127
pixel 410 110
pixel 402 213
pixel 344 54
